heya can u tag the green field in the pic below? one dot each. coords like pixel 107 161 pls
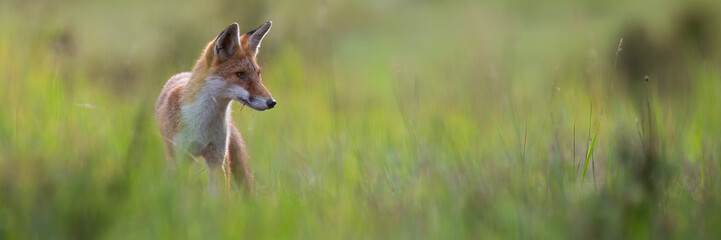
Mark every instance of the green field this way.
pixel 395 120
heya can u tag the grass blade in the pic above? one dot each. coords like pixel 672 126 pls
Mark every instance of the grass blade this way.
pixel 590 151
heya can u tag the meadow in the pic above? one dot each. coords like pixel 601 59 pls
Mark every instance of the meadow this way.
pixel 395 120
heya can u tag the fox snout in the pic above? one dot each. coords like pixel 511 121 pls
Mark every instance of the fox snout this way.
pixel 258 103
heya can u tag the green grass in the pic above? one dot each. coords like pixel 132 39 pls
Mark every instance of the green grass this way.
pixel 395 120
pixel 590 153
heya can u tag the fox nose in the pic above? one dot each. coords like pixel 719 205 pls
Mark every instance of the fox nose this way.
pixel 271 103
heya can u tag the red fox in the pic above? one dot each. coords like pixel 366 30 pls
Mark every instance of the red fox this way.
pixel 193 109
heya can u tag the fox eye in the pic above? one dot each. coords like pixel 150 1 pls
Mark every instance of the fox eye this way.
pixel 241 75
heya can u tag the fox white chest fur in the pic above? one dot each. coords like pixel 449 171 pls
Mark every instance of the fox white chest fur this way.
pixel 194 108
pixel 205 120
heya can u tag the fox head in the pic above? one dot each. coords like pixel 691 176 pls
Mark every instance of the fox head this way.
pixel 230 63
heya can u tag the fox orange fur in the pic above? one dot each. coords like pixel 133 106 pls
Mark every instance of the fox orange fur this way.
pixel 193 109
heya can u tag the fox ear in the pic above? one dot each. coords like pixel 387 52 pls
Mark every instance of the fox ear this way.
pixel 227 42
pixel 255 36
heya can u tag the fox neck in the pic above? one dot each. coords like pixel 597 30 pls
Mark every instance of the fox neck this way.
pixel 205 111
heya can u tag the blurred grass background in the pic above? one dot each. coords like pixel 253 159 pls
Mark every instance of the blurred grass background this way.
pixel 395 119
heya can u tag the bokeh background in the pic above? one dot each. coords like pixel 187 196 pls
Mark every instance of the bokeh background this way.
pixel 396 119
